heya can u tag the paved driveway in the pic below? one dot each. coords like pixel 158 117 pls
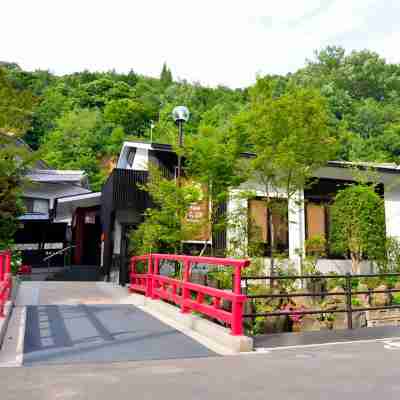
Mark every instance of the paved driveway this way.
pixel 92 322
pixel 101 333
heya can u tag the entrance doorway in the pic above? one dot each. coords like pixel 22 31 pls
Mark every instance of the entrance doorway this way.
pixel 126 229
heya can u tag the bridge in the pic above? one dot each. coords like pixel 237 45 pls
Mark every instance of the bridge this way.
pixel 156 317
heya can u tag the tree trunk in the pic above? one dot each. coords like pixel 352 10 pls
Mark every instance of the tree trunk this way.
pixel 271 241
pixel 355 263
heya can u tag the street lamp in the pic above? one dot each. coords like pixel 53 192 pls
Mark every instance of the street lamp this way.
pixel 180 114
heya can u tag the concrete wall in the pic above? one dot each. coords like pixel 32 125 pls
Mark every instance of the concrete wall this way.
pixel 392 210
pixel 297 232
pixel 141 160
pixel 325 265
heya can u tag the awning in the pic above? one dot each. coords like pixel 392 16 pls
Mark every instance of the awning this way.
pixel 66 206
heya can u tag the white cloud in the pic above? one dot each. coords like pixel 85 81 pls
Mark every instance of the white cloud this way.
pixel 215 42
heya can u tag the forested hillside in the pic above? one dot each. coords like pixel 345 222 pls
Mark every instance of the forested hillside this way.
pixel 79 121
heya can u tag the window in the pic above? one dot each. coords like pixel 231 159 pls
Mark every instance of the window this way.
pixel 36 205
pixel 41 206
pixel 131 158
pixel 259 234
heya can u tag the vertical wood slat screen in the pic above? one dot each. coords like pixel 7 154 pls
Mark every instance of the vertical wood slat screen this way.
pixel 258 220
pixel 316 224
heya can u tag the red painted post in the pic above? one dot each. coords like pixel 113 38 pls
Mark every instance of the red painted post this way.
pixel 2 265
pixel 8 272
pixel 185 291
pixel 237 282
pixel 237 318
pixel 156 264
pixel 8 263
pixel 149 285
pixel 5 279
pixel 237 308
pixel 132 272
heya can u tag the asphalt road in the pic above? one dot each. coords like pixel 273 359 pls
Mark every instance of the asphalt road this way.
pixel 344 371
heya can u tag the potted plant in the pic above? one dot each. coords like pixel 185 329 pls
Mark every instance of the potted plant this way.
pixel 315 249
pixel 327 320
pixel 295 318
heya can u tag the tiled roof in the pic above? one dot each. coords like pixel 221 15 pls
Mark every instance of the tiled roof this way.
pixel 381 167
pixel 34 216
pixel 53 175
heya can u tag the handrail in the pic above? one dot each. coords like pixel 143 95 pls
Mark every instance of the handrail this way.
pixel 5 280
pixel 58 252
pixel 207 301
pixel 348 293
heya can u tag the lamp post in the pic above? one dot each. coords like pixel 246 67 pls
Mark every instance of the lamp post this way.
pixel 180 114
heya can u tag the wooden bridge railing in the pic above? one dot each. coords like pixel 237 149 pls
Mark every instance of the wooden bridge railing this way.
pixel 5 280
pixel 191 296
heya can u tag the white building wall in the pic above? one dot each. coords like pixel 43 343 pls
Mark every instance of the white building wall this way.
pixel 237 235
pixel 297 230
pixel 141 160
pixel 392 210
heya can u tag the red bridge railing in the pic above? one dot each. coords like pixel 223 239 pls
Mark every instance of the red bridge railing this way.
pixel 191 296
pixel 5 280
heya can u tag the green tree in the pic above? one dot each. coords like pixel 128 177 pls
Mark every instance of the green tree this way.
pixel 13 163
pixel 165 226
pixel 16 106
pixel 130 114
pixel 166 76
pixel 358 224
pixel 77 142
pixel 291 137
pixel 213 158
pixel 54 102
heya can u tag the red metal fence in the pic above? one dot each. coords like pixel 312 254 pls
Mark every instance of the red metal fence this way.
pixel 5 279
pixel 188 295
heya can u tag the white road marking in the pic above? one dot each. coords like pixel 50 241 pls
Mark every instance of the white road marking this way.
pixel 390 345
pixel 263 350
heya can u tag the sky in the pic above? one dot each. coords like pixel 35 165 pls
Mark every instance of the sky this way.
pixel 218 42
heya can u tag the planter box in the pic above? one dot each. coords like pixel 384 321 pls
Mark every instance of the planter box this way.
pixel 383 317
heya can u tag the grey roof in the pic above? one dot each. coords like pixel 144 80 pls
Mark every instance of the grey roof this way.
pixel 363 165
pixel 34 216
pixel 53 175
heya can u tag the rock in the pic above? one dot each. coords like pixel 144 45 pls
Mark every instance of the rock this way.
pixel 380 299
pixel 362 297
pixel 275 324
pixel 336 299
pixel 310 323
pixel 359 320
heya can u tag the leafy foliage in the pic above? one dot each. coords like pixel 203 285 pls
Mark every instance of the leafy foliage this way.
pixel 164 227
pixel 76 142
pixel 356 96
pixel 290 135
pixel 16 104
pixel 358 224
